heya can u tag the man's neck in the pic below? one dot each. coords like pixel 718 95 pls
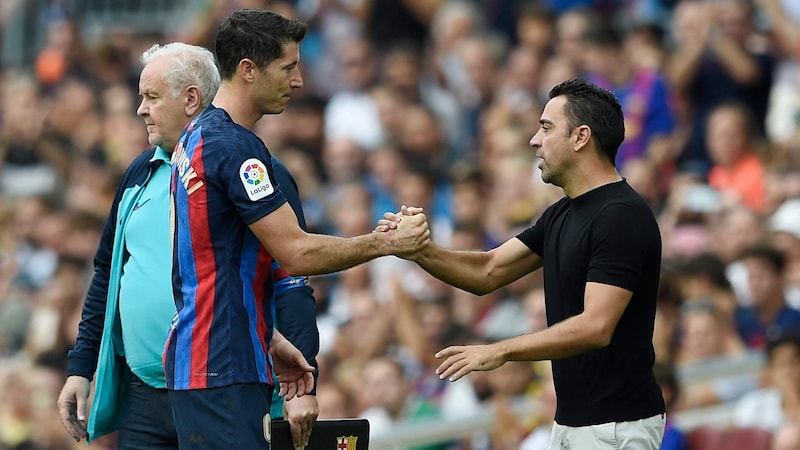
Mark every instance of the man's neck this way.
pixel 234 99
pixel 584 181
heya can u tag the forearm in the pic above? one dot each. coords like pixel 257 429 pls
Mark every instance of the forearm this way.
pixel 82 359
pixel 683 65
pixel 784 30
pixel 571 337
pixel 467 270
pixel 296 320
pixel 316 254
pixel 296 312
pixel 739 64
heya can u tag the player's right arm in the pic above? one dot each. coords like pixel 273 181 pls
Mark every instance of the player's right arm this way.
pixel 302 253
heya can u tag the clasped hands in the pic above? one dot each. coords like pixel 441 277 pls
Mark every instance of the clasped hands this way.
pixel 409 229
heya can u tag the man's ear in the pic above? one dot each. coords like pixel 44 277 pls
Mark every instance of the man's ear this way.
pixel 581 136
pixel 247 69
pixel 193 104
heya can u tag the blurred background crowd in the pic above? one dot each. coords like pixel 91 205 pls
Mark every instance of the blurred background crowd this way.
pixel 432 103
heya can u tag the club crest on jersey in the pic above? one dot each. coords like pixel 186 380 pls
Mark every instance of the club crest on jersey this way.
pixel 346 442
pixel 255 179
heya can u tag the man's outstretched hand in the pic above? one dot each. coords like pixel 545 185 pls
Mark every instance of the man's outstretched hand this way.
pixel 461 360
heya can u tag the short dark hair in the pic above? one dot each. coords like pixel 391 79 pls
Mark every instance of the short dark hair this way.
pixel 789 336
pixel 709 265
pixel 603 35
pixel 766 253
pixel 598 108
pixel 256 34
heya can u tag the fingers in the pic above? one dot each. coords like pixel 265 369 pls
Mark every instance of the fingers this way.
pixel 301 431
pixel 410 210
pixel 288 390
pixel 81 408
pixel 455 364
pixel 390 219
pixel 301 414
pixel 309 382
pixel 72 407
pixel 75 427
pixel 296 428
pixel 284 388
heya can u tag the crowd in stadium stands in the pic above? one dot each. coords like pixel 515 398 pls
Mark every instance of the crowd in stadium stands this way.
pixel 432 103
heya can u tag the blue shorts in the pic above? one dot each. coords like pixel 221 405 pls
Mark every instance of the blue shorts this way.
pixel 231 417
pixel 146 419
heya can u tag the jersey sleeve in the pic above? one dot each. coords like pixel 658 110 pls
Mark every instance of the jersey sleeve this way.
pixel 620 245
pixel 248 178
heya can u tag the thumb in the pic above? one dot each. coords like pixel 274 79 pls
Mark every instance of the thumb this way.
pixel 411 210
pixel 304 365
pixel 80 407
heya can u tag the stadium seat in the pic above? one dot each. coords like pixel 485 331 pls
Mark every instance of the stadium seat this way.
pixel 746 438
pixel 705 437
pixel 709 437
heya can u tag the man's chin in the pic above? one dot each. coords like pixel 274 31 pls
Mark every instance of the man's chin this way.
pixel 154 141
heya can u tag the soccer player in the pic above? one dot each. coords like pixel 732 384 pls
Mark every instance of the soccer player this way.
pixel 231 220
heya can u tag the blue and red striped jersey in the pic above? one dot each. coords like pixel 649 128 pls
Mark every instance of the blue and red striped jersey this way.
pixel 222 180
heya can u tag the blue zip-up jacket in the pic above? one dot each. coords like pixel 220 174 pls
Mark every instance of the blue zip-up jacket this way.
pixel 98 346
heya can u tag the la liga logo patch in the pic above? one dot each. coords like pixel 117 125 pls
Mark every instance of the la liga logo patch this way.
pixel 255 179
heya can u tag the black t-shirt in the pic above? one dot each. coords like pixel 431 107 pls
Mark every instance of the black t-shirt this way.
pixel 607 235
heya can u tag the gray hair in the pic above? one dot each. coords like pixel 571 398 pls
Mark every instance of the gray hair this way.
pixel 189 65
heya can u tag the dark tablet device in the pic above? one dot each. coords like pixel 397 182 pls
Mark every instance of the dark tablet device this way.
pixel 328 434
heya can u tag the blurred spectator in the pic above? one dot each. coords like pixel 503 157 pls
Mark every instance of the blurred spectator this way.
pixel 643 92
pixel 405 81
pixel 784 225
pixel 733 229
pixel 556 69
pixel 737 170
pixel 643 176
pixel 685 219
pixel 702 278
pixel 769 315
pixel 352 113
pixel 784 108
pixel 645 45
pixel 63 54
pixel 511 387
pixel 704 342
pixel 716 59
pixel 388 396
pixel 535 28
pixel 778 403
pixel 571 27
pixel 26 167
pixel 704 334
pixel 388 22
pixel 333 401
